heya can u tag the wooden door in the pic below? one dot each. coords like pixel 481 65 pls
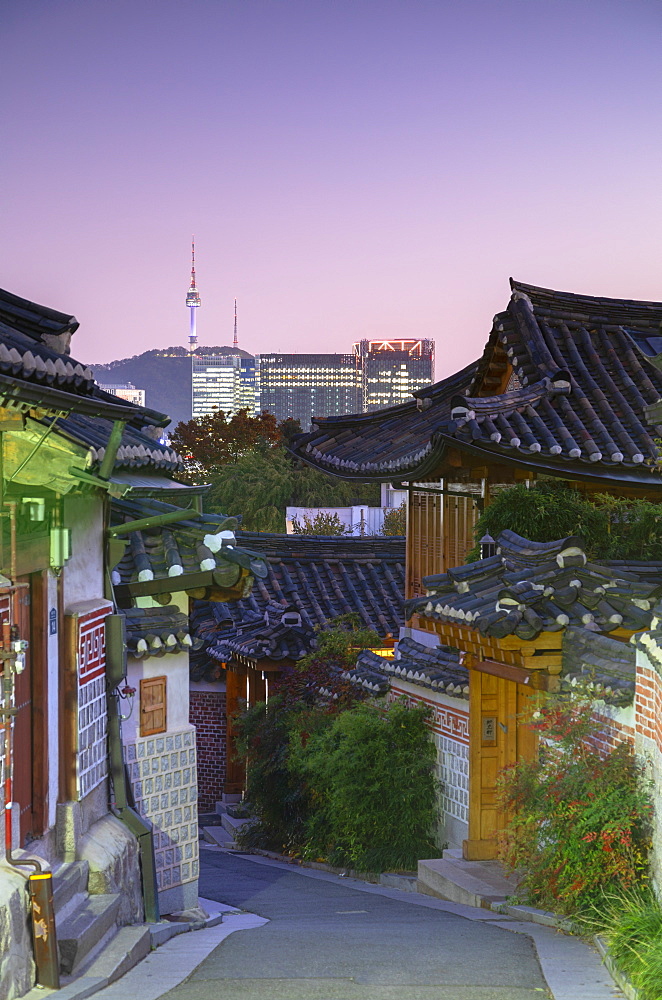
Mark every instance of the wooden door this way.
pixel 22 743
pixel 499 710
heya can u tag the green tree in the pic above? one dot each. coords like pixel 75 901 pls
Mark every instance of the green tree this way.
pixel 257 486
pixel 395 520
pixel 212 440
pixel 370 777
pixel 320 524
pixel 611 527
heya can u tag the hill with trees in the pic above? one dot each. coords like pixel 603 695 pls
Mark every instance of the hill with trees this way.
pixel 164 374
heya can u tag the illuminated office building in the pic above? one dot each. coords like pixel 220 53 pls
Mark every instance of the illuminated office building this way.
pixel 391 370
pixel 217 383
pixel 303 386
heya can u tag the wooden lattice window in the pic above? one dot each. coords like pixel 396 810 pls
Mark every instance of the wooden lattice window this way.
pixel 153 708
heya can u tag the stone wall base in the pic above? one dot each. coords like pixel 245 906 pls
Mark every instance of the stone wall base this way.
pixel 17 969
pixel 112 854
pixel 179 897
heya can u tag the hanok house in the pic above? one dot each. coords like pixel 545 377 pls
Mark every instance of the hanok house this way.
pixel 567 386
pixel 170 556
pixel 311 580
pixel 67 448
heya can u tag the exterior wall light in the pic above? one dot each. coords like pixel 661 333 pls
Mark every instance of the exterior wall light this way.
pixel 488 547
pixel 60 547
pixel 35 508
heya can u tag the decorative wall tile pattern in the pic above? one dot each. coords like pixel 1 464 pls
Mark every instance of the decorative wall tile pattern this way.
pixel 92 735
pixel 450 731
pixel 92 761
pixel 92 644
pixel 162 770
pixel 453 773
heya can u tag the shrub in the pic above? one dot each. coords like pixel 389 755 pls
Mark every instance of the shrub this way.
pixel 579 821
pixel 277 800
pixel 321 524
pixel 370 778
pixel 395 520
pixel 611 527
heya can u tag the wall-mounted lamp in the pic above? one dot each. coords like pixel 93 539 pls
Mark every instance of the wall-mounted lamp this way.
pixel 35 508
pixel 60 547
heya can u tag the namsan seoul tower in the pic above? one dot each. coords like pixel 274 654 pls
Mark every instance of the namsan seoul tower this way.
pixel 193 303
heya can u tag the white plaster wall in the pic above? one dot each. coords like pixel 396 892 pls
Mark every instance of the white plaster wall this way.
pixel 53 706
pixel 217 687
pixel 430 639
pixel 650 752
pixel 174 666
pixel 83 574
pixel 349 517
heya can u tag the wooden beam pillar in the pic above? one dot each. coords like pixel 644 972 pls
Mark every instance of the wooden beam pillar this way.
pixel 39 668
pixel 235 768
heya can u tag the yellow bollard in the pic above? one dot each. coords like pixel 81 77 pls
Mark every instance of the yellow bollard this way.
pixel 44 938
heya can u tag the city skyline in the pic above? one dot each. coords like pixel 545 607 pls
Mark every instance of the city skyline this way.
pixel 350 171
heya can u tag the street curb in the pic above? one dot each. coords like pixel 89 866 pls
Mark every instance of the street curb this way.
pixel 391 880
pixel 618 977
pixel 87 985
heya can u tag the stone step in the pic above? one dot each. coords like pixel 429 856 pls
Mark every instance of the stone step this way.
pixel 126 948
pixel 218 835
pixel 69 880
pixel 230 824
pixel 473 883
pixel 81 929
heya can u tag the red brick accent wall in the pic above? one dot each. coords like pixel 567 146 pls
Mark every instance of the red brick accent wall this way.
pixel 648 705
pixel 207 714
pixel 609 733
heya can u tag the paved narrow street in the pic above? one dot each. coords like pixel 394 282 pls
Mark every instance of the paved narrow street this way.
pixel 326 940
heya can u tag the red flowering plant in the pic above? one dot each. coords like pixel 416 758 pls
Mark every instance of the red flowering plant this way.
pixel 579 818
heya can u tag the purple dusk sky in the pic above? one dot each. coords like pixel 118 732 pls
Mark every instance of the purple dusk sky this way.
pixel 350 168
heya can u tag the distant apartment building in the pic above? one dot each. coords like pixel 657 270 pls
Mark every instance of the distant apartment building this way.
pixel 303 386
pixel 391 370
pixel 126 391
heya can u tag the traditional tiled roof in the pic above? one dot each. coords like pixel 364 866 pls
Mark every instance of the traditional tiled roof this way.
pixel 325 577
pixel 603 666
pixel 319 578
pixel 276 635
pixel 438 668
pixel 157 631
pixel 385 444
pixel 197 553
pixel 534 587
pixel 578 406
pixel 36 371
pixel 141 447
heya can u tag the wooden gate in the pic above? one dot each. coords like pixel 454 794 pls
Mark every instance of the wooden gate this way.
pixel 499 709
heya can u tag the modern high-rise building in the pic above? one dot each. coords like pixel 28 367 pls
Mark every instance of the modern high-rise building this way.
pixel 303 386
pixel 249 392
pixel 216 383
pixel 391 370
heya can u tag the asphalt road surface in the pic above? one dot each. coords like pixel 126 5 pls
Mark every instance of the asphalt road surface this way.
pixel 328 941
